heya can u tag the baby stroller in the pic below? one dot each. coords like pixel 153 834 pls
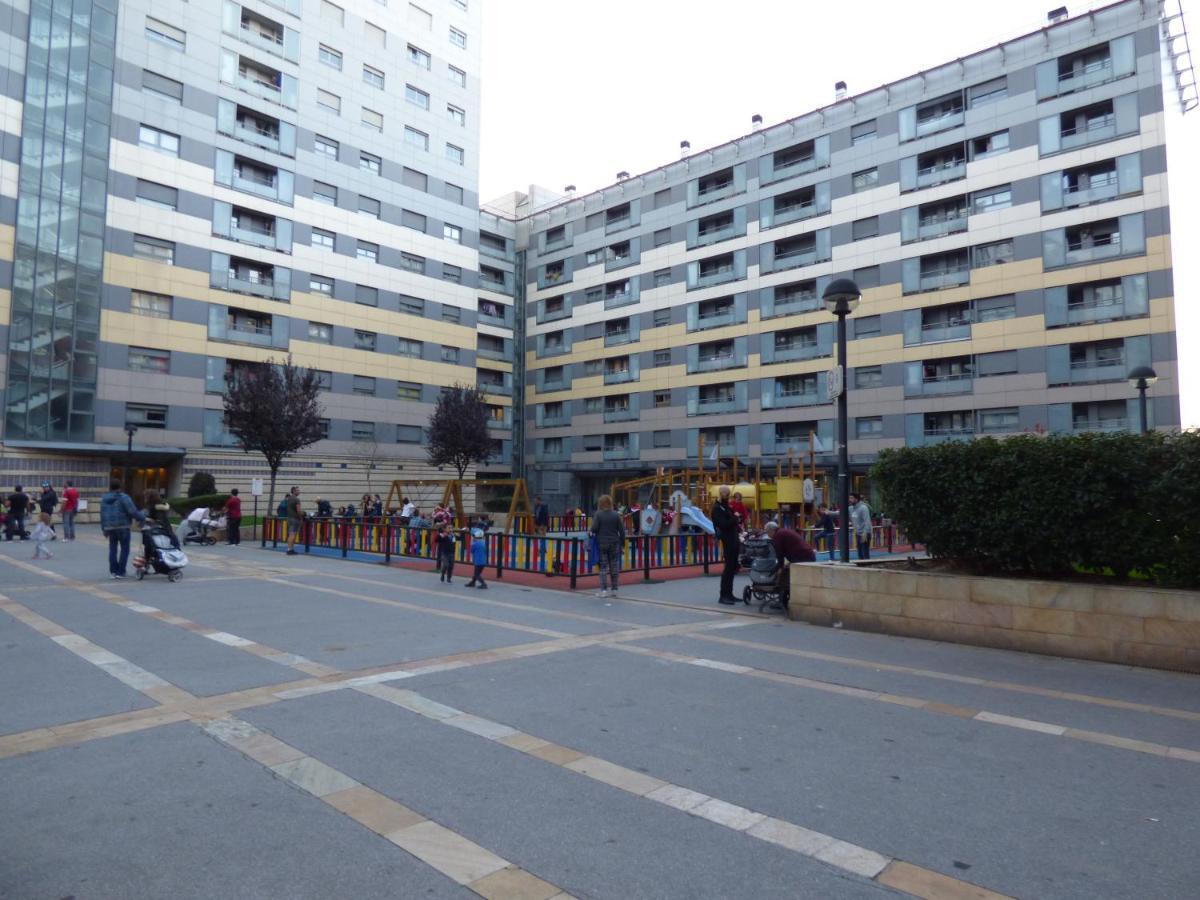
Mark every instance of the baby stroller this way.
pixel 768 580
pixel 160 554
pixel 198 534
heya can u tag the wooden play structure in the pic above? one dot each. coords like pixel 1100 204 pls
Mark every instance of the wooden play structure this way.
pixel 782 491
pixel 519 508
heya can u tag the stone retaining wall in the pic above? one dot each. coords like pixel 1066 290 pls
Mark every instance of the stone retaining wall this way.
pixel 1136 626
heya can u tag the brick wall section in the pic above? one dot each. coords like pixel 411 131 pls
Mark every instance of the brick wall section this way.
pixel 1134 626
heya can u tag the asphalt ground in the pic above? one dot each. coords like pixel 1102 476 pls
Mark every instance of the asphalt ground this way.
pixel 311 727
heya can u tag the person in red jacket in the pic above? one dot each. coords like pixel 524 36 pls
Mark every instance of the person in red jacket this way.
pixel 790 548
pixel 739 510
pixel 70 506
pixel 233 518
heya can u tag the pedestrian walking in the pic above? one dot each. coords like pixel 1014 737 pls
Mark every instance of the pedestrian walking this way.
pixel 445 553
pixel 295 519
pixel 47 500
pixel 478 559
pixel 233 518
pixel 70 507
pixel 725 525
pixel 117 513
pixel 609 531
pixel 860 524
pixel 541 516
pixel 825 530
pixel 42 534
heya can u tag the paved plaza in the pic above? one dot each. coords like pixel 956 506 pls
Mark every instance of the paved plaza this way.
pixel 307 727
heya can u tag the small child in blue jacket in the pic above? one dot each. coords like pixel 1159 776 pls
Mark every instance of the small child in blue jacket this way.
pixel 479 558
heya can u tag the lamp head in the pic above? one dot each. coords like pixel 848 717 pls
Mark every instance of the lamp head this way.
pixel 1142 376
pixel 841 296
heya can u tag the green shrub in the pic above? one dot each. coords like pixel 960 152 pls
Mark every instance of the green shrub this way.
pixel 184 505
pixel 1045 505
pixel 202 484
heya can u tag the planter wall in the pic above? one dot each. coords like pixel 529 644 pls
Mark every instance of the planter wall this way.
pixel 1131 625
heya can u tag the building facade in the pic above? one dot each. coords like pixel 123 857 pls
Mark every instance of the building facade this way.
pixel 1005 216
pixel 192 188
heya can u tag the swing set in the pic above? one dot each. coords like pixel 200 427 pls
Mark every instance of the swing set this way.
pixel 520 510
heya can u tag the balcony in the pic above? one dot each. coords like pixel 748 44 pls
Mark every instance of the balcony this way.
pixel 790 256
pixel 940 332
pixel 715 317
pixel 495 280
pixel 555 452
pixel 255 333
pixel 250 231
pixel 495 314
pixel 797 160
pixel 715 233
pixel 494 250
pixel 621 376
pixel 793 208
pixel 253 132
pixel 624 413
pixel 504 423
pixel 1086 250
pixel 1081 77
pixel 716 361
pixel 936 279
pixel 259 284
pixel 942 435
pixel 942 225
pixel 619 451
pixel 785 396
pixel 941 172
pixel 1084 312
pixel 620 297
pixel 1101 128
pixel 1092 371
pixel 939 119
pixel 558 420
pixel 255 181
pixel 791 302
pixel 1100 425
pixel 940 385
pixel 711 406
pixel 617 337
pixel 495 388
pixel 489 351
pixel 792 350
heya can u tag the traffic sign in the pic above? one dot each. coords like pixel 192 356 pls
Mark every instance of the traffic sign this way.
pixel 256 487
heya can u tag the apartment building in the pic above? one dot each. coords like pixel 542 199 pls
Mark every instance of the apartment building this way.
pixel 190 188
pixel 1004 214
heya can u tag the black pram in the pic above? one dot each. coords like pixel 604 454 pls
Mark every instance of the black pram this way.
pixel 767 577
pixel 161 554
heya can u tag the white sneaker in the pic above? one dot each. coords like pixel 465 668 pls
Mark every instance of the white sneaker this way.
pixel 602 593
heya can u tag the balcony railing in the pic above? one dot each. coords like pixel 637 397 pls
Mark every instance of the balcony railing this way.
pixel 932 228
pixel 949 118
pixel 943 384
pixel 619 451
pixel 499 388
pixel 258 236
pixel 941 172
pixel 619 376
pixel 708 406
pixel 615 338
pixel 620 414
pixel 787 397
pixel 251 283
pixel 941 435
pixel 1087 371
pixel 1096 130
pixel 1098 193
pixel 494 252
pixel 1101 247
pixel 717 234
pixel 246 333
pixel 252 133
pixel 491 353
pixel 793 212
pixel 934 279
pixel 262 186
pixel 716 191
pixel 1103 425
pixel 714 362
pixel 936 332
pixel 796 303
pixel 794 350
pixel 796 167
pixel 618 298
pixel 716 318
pixel 718 275
pixel 1090 75
pixel 1082 313
pixel 792 259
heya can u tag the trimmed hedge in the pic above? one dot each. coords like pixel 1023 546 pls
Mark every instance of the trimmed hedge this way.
pixel 184 505
pixel 202 484
pixel 1048 506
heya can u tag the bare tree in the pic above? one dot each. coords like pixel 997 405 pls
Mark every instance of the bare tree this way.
pixel 457 432
pixel 272 409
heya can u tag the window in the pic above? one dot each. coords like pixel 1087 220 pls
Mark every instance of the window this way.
pixel 454 193
pixel 372 119
pixel 324 379
pixel 362 431
pixel 368 251
pixel 413 306
pixel 324 425
pixel 329 101
pixel 376 36
pixel 451 313
pixel 416 96
pixel 420 18
pixel 662 399
pixel 154 249
pixel 409 347
pixel 406 390
pixel 160 195
pixel 991 309
pixel 662 317
pixel 413 220
pixel 414 179
pixel 332 12
pixel 868 427
pixel 319 284
pixel 154 306
pixel 364 385
pixel 452 233
pixel 662 358
pixel 593 404
pixel 412 262
pixel 368 206
pixel 323 239
pixel 998 420
pixel 146 415
pixel 867 326
pixel 373 77
pixel 867 277
pixel 863 131
pixel 456 154
pixel 146 359
pixel 992 254
pixel 324 146
pixel 451 273
pixel 988 92
pixel 457 75
pixel 992 198
pixel 161 141
pixel 321 333
pixel 364 340
pixel 1003 362
pixel 662 237
pixel 324 193
pixel 449 354
pixel 989 145
pixel 457 114
pixel 409 434
pixel 164 87
pixel 865 180
pixel 175 38
pixel 329 56
pixel 366 295
pixel 593 442
pixel 868 376
pixel 418 57
pixel 415 138
pixel 458 38
pixel 861 229
pixel 369 162
pixel 662 439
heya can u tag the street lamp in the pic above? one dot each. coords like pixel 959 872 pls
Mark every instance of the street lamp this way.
pixel 130 431
pixel 841 298
pixel 1141 378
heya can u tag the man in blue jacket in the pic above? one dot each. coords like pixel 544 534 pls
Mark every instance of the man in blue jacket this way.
pixel 117 513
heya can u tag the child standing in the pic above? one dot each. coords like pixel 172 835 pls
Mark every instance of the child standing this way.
pixel 478 558
pixel 445 553
pixel 42 534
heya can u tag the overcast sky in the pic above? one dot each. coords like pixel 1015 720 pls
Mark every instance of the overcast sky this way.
pixel 575 91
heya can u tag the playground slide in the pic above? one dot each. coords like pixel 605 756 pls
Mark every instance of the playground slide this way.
pixel 697 518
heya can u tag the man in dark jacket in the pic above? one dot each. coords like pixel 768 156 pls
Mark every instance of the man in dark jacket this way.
pixel 725 526
pixel 18 508
pixel 541 516
pixel 117 513
pixel 47 500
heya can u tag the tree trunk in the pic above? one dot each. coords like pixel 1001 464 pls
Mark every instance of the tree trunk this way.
pixel 271 500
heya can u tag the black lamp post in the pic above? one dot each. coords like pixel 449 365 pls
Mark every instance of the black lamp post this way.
pixel 841 298
pixel 1141 378
pixel 130 431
